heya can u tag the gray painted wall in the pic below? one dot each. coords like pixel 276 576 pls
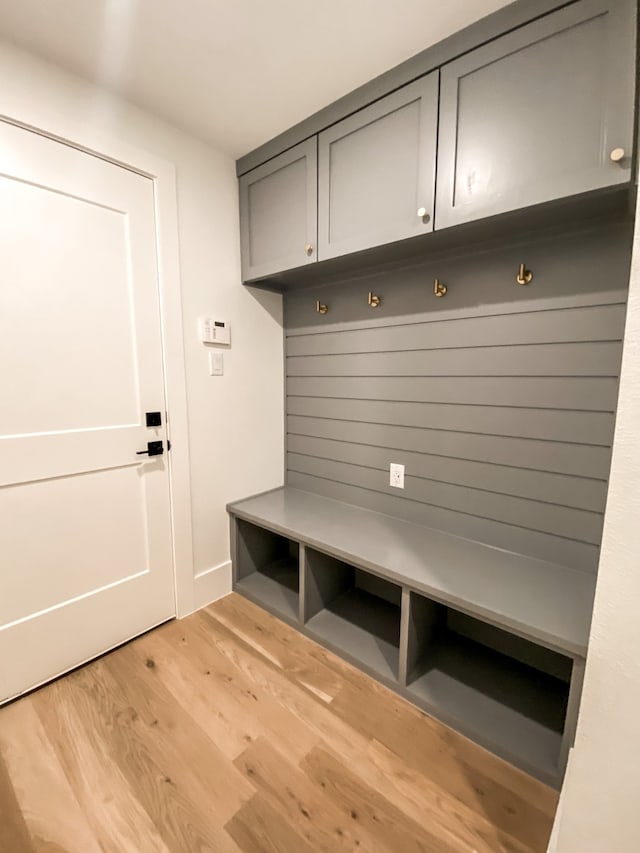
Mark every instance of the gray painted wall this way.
pixel 499 399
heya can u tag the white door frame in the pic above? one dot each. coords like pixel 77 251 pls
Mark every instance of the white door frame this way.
pixel 163 175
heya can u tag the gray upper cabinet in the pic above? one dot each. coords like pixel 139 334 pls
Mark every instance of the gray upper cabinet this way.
pixel 541 113
pixel 278 213
pixel 376 172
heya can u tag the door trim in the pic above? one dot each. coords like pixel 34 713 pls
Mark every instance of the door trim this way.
pixel 163 175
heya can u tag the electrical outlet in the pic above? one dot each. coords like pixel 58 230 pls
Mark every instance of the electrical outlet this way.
pixel 396 476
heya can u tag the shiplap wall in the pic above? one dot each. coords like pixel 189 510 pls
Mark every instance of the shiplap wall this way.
pixel 498 399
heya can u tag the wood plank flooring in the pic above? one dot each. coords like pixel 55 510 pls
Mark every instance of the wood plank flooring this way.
pixel 229 731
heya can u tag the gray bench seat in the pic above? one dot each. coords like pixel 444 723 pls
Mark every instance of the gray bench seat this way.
pixel 547 603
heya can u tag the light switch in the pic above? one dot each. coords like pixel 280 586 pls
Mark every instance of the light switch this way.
pixel 216 364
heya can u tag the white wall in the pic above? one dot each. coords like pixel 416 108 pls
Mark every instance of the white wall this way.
pixel 235 421
pixel 601 797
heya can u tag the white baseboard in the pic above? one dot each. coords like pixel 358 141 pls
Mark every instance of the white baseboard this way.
pixel 212 584
pixel 555 832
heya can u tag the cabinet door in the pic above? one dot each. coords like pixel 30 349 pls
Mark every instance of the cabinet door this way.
pixel 376 170
pixel 278 213
pixel 536 115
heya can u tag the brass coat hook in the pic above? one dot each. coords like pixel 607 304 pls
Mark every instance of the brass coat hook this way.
pixel 524 275
pixel 374 300
pixel 439 289
pixel 321 308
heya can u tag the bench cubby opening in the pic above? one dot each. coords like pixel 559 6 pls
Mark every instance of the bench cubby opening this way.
pixel 267 568
pixel 354 612
pixel 490 642
pixel 504 691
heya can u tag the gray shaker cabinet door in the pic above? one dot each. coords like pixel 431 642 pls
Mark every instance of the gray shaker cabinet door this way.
pixel 536 114
pixel 278 213
pixel 376 170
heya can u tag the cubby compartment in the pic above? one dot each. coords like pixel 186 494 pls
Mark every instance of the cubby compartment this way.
pixel 267 569
pixel 504 691
pixel 353 612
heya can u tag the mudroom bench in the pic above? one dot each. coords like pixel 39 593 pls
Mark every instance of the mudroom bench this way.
pixel 490 642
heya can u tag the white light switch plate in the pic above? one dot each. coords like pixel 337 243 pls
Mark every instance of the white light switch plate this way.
pixel 216 364
pixel 396 475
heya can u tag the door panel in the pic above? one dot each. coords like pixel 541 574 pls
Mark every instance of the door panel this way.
pixel 376 169
pixel 85 538
pixel 43 328
pixel 39 529
pixel 534 115
pixel 278 213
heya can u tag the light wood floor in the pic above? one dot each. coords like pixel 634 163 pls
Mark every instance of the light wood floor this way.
pixel 229 731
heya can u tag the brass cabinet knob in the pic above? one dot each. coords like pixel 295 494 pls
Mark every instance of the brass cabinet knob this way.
pixel 422 214
pixel 309 249
pixel 617 155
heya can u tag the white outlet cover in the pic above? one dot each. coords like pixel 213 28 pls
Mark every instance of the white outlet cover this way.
pixel 396 475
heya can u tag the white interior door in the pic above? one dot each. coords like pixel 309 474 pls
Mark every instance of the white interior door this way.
pixel 85 532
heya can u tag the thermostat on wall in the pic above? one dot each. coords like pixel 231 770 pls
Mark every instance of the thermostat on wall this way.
pixel 215 331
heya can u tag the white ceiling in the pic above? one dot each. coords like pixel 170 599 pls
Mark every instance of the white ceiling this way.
pixel 233 72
